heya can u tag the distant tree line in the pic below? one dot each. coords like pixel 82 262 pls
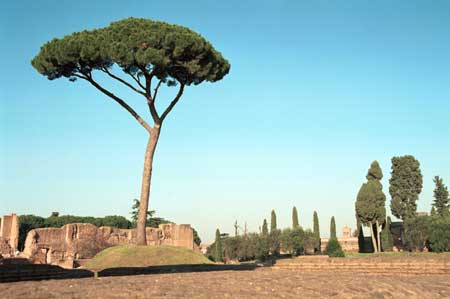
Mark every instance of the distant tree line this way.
pixel 271 243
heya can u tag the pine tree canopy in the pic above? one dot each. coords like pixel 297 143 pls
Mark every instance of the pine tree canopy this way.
pixel 169 52
pixel 405 186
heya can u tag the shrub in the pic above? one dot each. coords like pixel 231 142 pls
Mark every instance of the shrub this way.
pixel 439 233
pixel 286 241
pixel 309 242
pixel 334 249
pixel 262 248
pixel 387 242
pixel 274 242
pixel 297 241
pixel 416 233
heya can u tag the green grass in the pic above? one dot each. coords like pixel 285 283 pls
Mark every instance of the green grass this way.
pixel 144 256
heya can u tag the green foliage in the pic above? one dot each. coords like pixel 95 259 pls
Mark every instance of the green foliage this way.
pixel 405 186
pixel 374 172
pixel 151 221
pixel 273 221
pixel 416 233
pixel 334 249
pixel 370 201
pixel 297 239
pixel 27 223
pixel 265 230
pixel 262 248
pixel 295 223
pixel 361 240
pixel 441 197
pixel 170 52
pixel 286 241
pixel 387 242
pixel 332 228
pixel 275 242
pixel 439 233
pixel 316 231
pixel 309 242
pixel 218 250
pixel 197 239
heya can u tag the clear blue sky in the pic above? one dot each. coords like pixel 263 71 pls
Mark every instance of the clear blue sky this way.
pixel 317 91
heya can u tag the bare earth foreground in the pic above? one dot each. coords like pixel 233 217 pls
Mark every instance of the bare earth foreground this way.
pixel 259 283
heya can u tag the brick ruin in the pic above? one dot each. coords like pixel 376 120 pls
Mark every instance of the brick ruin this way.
pixel 71 243
pixel 347 241
pixel 9 235
pixel 66 245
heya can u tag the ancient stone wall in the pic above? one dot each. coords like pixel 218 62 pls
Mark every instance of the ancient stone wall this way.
pixel 9 234
pixel 62 246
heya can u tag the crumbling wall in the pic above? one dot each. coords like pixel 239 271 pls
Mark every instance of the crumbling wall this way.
pixel 62 246
pixel 9 234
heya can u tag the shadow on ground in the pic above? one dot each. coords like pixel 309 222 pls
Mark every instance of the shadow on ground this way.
pixel 14 271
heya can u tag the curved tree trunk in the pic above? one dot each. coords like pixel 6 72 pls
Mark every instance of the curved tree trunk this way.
pixel 374 242
pixel 146 180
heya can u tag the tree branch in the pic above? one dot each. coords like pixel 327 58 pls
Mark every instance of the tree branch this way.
pixel 156 90
pixel 173 103
pixel 105 70
pixel 136 79
pixel 150 100
pixel 88 77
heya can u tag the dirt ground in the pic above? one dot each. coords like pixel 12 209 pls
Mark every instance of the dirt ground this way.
pixel 260 283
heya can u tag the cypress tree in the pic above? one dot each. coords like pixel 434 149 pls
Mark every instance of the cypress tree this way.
pixel 273 221
pixel 294 218
pixel 265 230
pixel 405 186
pixel 333 228
pixel 441 199
pixel 387 242
pixel 218 254
pixel 370 204
pixel 433 211
pixel 316 231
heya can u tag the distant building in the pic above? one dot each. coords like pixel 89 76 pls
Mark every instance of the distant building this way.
pixel 347 241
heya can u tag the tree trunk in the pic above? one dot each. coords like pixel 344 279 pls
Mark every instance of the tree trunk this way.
pixel 379 236
pixel 146 180
pixel 374 242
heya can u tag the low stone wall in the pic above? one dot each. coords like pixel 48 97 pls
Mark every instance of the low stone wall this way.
pixel 62 246
pixel 364 266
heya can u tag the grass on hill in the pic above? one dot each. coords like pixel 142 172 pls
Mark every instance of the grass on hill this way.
pixel 144 256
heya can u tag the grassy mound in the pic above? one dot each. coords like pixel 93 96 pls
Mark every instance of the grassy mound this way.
pixel 144 256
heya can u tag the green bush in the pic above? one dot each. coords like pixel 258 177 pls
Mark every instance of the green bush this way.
pixel 439 233
pixel 274 242
pixel 416 233
pixel 334 249
pixel 387 242
pixel 262 248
